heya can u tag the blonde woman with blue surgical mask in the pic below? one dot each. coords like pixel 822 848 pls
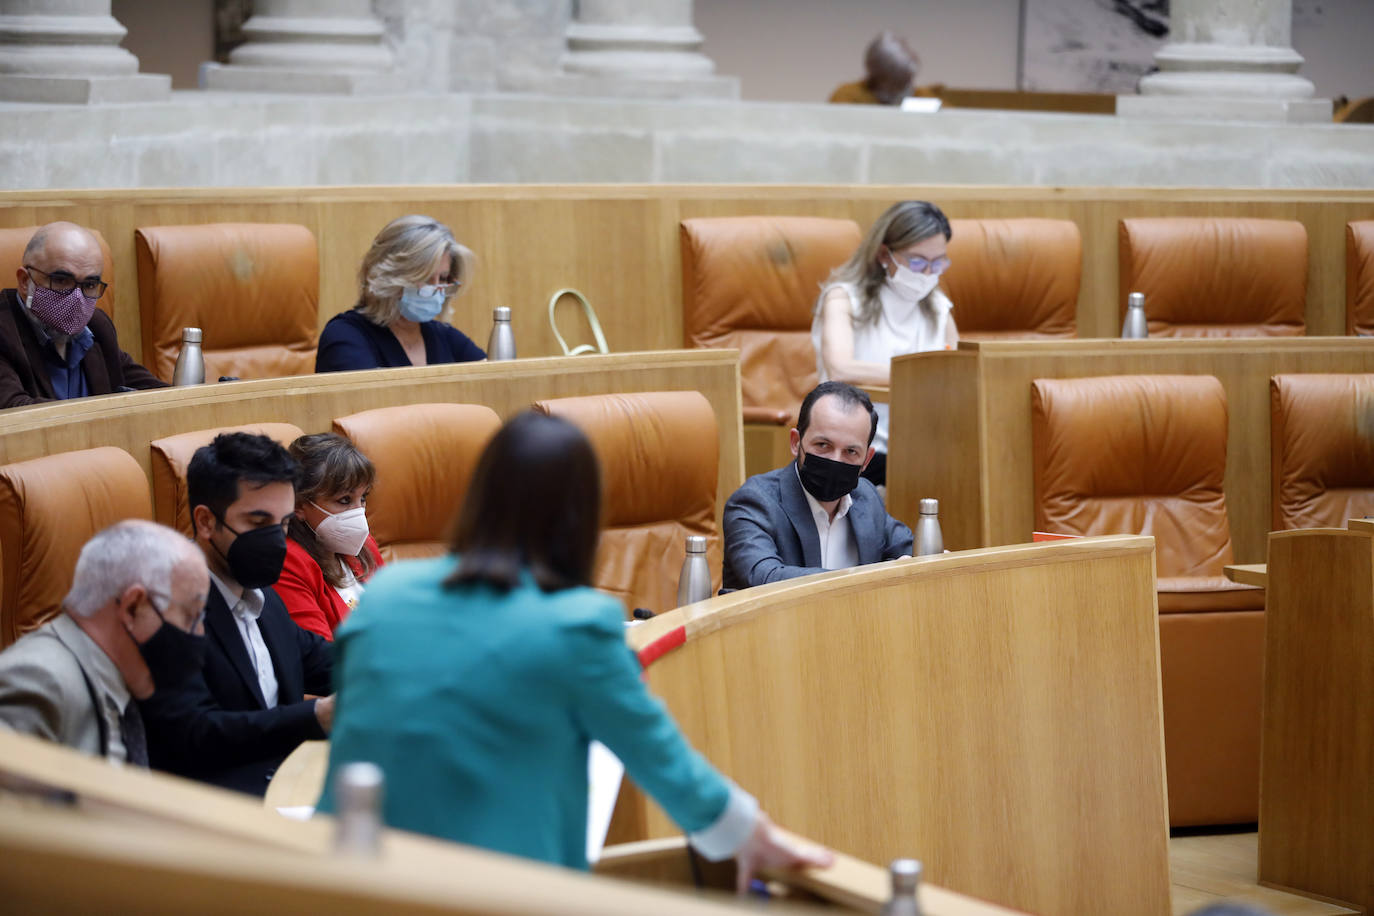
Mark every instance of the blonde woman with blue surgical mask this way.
pixel 414 268
pixel 886 301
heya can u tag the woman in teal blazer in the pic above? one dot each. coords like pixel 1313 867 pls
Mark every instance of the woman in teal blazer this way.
pixel 475 681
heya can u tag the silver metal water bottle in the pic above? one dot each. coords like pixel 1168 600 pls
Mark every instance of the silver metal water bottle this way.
pixel 358 789
pixel 1135 327
pixel 906 882
pixel 501 344
pixel 694 583
pixel 929 540
pixel 190 367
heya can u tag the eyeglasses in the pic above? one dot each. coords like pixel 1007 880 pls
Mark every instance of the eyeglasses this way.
pixel 59 281
pixel 921 265
pixel 196 624
pixel 442 290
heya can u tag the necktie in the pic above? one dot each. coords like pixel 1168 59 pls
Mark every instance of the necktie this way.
pixel 135 738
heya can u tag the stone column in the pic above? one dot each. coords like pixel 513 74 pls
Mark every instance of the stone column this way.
pixel 311 46
pixel 1228 60
pixel 67 51
pixel 636 48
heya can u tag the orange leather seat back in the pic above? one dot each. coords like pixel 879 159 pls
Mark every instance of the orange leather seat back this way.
pixel 49 508
pixel 252 288
pixel 1141 454
pixel 1014 278
pixel 751 282
pixel 1359 278
pixel 1216 277
pixel 658 453
pixel 12 245
pixel 424 455
pixel 172 456
pixel 1321 430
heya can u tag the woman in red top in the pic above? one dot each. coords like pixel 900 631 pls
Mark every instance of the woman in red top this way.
pixel 329 553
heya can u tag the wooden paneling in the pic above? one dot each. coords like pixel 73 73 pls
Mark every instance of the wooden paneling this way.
pixel 131 421
pixel 995 713
pixel 619 244
pixel 1317 756
pixel 961 423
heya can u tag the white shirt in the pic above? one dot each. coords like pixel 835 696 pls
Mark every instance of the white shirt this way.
pixel 246 611
pixel 351 590
pixel 902 326
pixel 838 550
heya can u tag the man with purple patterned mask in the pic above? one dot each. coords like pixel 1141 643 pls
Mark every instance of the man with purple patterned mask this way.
pixel 54 343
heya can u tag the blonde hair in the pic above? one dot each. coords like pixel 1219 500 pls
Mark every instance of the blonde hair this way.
pixel 902 225
pixel 403 254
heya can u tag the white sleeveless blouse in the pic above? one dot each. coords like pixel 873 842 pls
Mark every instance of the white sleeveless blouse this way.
pixel 901 327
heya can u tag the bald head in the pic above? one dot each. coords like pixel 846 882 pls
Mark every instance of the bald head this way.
pixel 62 247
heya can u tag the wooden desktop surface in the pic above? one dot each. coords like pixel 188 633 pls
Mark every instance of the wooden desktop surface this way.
pixel 151 843
pixel 995 713
pixel 961 422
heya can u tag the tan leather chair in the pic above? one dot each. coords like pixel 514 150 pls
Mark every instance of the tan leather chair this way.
pixel 751 282
pixel 1321 459
pixel 1216 277
pixel 49 508
pixel 1359 278
pixel 1146 455
pixel 12 245
pixel 425 455
pixel 658 456
pixel 252 288
pixel 1014 279
pixel 172 455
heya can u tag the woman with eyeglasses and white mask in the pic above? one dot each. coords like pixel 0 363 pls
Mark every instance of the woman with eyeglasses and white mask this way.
pixel 414 267
pixel 329 552
pixel 883 302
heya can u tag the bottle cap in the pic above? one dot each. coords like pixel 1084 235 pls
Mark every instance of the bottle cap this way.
pixel 1135 301
pixel 190 335
pixel 930 506
pixel 501 313
pixel 906 876
pixel 358 786
pixel 696 543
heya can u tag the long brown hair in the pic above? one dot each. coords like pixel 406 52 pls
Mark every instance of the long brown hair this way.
pixel 330 466
pixel 534 504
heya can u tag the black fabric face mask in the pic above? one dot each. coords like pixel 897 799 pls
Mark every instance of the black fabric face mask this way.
pixel 825 479
pixel 172 655
pixel 255 558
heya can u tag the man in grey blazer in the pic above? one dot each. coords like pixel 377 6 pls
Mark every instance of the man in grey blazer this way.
pixel 816 513
pixel 131 621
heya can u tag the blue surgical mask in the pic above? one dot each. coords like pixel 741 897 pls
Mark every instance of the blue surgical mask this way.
pixel 422 303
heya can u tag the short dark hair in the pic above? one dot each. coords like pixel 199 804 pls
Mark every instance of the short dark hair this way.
pixel 212 478
pixel 849 396
pixel 534 504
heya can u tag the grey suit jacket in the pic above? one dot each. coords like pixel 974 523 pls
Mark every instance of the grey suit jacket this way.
pixel 770 534
pixel 43 691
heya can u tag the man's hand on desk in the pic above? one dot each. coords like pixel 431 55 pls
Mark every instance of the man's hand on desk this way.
pixel 324 711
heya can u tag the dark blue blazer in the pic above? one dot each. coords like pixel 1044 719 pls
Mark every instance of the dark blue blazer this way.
pixel 351 341
pixel 216 727
pixel 770 534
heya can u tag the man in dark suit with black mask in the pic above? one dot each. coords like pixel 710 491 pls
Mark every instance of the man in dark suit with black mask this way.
pixel 233 725
pixel 815 513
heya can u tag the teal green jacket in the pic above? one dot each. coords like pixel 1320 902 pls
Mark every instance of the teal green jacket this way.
pixel 478 706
